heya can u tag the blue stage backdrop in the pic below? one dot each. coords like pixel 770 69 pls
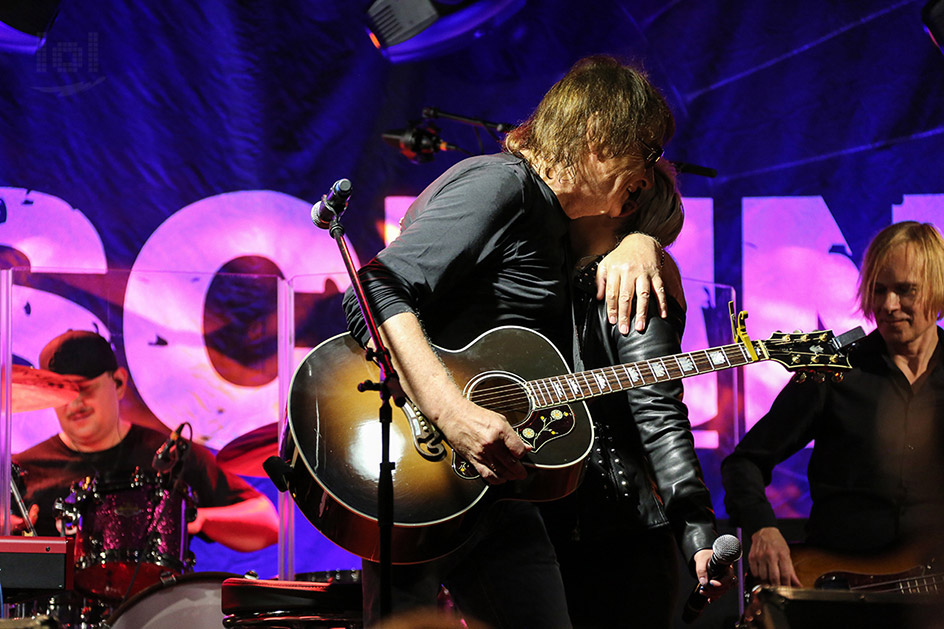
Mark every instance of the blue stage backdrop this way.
pixel 158 163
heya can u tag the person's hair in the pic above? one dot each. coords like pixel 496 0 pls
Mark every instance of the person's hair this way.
pixel 600 105
pixel 659 211
pixel 928 248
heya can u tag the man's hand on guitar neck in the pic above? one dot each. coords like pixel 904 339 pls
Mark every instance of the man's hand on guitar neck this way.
pixel 483 437
pixel 770 560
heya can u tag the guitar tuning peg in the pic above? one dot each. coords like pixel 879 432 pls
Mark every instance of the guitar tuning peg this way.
pixel 800 377
pixel 819 377
pixel 798 331
pixel 837 376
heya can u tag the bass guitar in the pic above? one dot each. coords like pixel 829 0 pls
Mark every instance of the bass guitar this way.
pixel 909 570
pixel 332 440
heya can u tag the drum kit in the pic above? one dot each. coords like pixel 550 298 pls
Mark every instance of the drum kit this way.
pixel 132 563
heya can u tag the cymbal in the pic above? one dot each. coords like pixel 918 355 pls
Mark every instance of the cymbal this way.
pixel 245 454
pixel 34 389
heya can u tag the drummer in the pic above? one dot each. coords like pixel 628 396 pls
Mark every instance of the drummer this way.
pixel 95 441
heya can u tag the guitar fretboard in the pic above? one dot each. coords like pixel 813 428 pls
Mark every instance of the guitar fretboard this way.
pixel 565 388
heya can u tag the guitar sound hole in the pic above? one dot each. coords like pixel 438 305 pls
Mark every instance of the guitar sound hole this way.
pixel 501 393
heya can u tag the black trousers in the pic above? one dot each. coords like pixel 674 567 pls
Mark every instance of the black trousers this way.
pixel 628 580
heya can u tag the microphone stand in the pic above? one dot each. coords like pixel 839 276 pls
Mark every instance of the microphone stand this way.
pixel 505 127
pixel 389 386
pixel 501 127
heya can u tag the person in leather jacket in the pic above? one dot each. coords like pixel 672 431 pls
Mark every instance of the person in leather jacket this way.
pixel 643 494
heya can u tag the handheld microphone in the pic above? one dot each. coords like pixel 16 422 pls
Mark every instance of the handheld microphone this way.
pixel 168 454
pixel 725 551
pixel 331 204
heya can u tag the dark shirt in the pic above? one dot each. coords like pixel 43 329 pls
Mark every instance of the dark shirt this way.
pixel 484 245
pixel 51 469
pixel 877 464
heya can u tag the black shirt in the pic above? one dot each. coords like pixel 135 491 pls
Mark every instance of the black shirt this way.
pixel 51 469
pixel 877 465
pixel 484 245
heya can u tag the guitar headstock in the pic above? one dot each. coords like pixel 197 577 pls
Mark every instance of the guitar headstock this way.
pixel 819 351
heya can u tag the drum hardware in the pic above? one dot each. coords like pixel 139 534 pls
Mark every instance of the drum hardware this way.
pixel 66 610
pixel 16 478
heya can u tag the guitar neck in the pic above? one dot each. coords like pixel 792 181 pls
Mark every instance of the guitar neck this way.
pixel 547 392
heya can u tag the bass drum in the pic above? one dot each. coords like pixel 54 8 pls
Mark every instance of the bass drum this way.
pixel 190 601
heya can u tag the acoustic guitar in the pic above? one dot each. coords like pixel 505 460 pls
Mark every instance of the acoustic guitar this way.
pixel 332 440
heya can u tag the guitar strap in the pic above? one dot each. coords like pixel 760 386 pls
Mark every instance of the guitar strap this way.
pixel 580 280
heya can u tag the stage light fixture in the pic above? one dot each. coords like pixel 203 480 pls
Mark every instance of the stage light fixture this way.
pixel 933 17
pixel 24 24
pixel 406 30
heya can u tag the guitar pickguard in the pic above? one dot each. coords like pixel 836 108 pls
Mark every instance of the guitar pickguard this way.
pixel 541 427
pixel 546 424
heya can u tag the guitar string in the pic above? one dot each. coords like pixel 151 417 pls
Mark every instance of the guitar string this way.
pixel 509 397
pixel 621 378
pixel 896 585
pixel 504 393
pixel 493 396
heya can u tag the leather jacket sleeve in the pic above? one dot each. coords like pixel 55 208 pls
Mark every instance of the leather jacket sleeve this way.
pixel 661 419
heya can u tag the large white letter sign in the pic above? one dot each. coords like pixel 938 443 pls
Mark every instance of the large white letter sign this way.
pixel 53 236
pixel 167 290
pixel 927 208
pixel 797 273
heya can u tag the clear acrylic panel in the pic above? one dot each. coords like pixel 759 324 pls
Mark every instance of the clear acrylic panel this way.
pixel 218 350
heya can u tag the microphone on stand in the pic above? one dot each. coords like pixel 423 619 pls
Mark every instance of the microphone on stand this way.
pixel 332 204
pixel 418 142
pixel 724 552
pixel 170 451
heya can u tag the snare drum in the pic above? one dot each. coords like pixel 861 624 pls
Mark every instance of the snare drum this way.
pixel 128 532
pixel 190 601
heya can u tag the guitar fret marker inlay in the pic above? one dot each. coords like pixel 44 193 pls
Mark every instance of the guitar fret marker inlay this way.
pixel 601 381
pixel 558 388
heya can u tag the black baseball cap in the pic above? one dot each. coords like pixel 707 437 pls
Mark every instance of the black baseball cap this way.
pixel 78 353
